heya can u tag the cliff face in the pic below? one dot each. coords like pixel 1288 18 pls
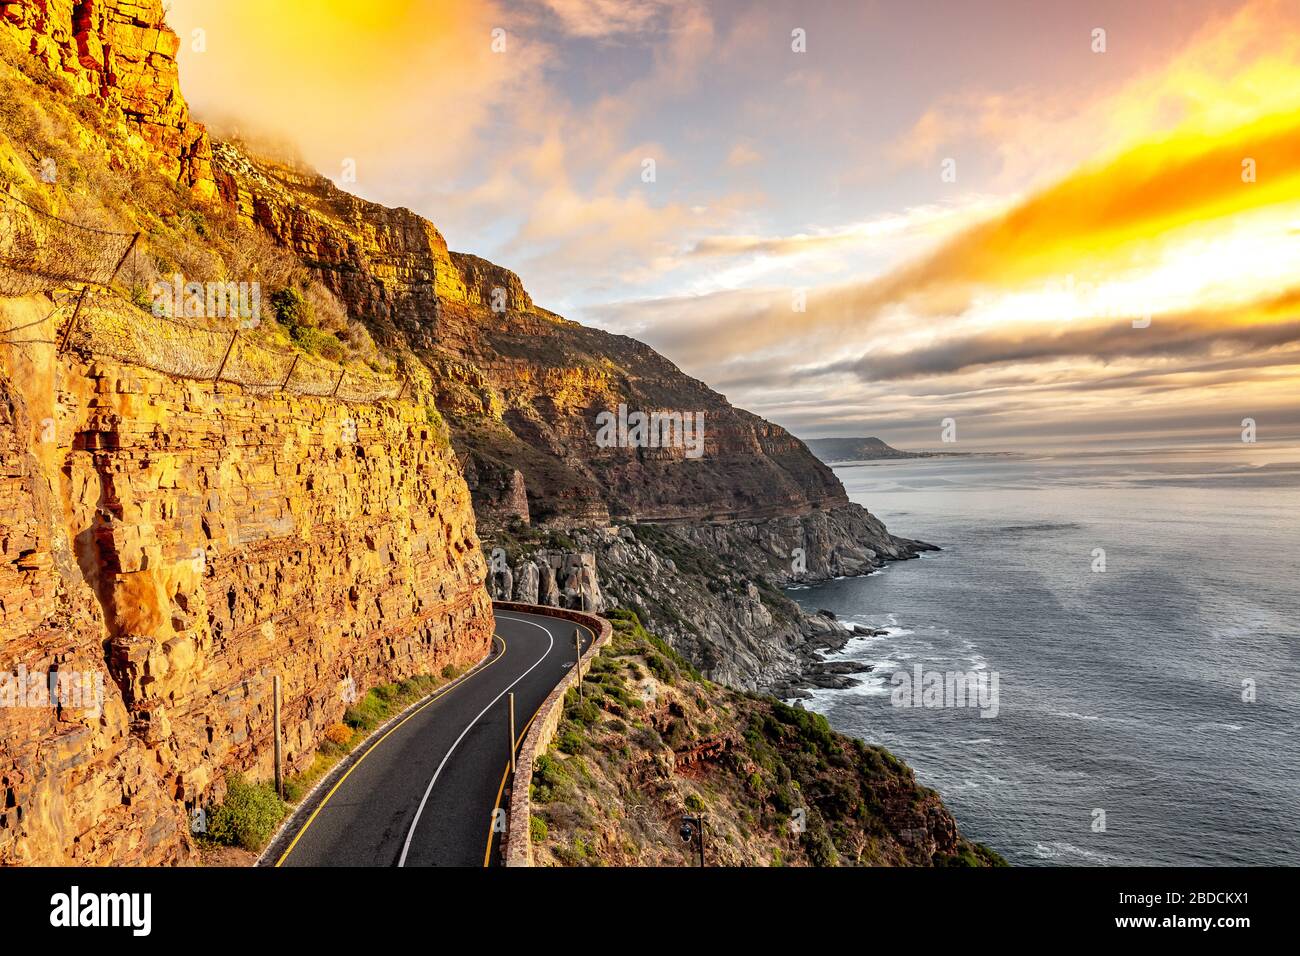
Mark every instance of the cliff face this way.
pixel 192 545
pixel 522 386
pixel 168 548
pixel 122 55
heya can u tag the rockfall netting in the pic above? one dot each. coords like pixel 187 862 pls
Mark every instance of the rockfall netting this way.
pixel 40 252
pixel 106 326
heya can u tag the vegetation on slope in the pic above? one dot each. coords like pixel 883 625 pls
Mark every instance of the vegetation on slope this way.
pixel 651 741
pixel 104 181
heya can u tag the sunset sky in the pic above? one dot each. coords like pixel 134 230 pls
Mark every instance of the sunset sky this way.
pixel 1093 191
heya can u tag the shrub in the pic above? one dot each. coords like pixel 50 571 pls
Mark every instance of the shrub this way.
pixel 571 742
pixel 318 343
pixel 339 734
pixel 248 816
pixel 290 307
pixel 367 714
pixel 537 829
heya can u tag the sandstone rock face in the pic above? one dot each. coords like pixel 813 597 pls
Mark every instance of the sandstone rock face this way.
pixel 190 546
pixel 122 54
pixel 521 386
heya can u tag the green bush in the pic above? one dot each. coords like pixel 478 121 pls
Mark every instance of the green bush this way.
pixel 537 829
pixel 570 742
pixel 290 307
pixel 249 815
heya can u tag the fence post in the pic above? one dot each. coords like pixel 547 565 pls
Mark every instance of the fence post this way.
pixel 342 372
pixel 402 391
pixel 67 332
pixel 222 367
pixel 289 374
pixel 279 752
pixel 118 267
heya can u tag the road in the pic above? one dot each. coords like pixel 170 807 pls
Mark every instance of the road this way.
pixel 424 793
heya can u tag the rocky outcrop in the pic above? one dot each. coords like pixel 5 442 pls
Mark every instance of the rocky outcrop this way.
pixel 122 55
pixel 189 545
pixel 552 578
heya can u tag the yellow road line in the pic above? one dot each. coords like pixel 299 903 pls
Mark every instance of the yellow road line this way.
pixel 487 853
pixel 447 690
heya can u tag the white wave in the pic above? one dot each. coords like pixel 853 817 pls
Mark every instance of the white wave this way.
pixel 1059 848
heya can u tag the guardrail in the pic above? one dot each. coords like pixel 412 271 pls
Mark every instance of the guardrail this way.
pixel 519 842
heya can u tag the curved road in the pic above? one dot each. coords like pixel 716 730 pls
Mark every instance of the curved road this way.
pixel 424 793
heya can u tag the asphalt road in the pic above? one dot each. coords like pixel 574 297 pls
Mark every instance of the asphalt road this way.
pixel 424 794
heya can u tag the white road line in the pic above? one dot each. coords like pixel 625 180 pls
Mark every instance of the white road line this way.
pixel 429 789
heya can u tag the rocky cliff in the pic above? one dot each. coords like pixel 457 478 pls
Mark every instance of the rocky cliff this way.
pixel 168 547
pixel 121 55
pixel 192 545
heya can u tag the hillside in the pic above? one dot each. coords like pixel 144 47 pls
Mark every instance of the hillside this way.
pixel 831 450
pixel 652 741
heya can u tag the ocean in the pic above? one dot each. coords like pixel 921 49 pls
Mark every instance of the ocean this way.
pixel 1141 611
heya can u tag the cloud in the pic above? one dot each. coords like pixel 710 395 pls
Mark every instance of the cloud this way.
pixel 1235 68
pixel 743 154
pixel 602 19
pixel 1169 337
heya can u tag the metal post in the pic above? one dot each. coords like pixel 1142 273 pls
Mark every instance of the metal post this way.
pixel 577 642
pixel 702 819
pixel 342 372
pixel 67 332
pixel 289 374
pixel 279 774
pixel 222 367
pixel 120 262
pixel 512 733
pixel 405 382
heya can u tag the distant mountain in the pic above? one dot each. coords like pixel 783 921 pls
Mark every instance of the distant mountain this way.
pixel 857 449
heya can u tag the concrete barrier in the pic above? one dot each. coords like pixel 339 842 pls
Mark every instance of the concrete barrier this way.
pixel 519 842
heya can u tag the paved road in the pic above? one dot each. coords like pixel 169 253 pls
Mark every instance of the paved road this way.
pixel 424 794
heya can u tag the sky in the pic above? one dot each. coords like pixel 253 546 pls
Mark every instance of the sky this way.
pixel 1045 224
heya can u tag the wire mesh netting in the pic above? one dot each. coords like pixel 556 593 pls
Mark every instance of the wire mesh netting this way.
pixel 40 252
pixel 109 327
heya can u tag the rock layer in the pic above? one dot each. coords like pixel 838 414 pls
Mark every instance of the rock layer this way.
pixel 121 54
pixel 192 544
